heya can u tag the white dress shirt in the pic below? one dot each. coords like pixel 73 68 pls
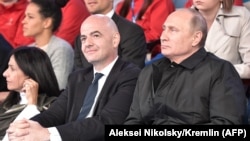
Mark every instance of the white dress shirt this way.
pixel 54 134
pixel 28 112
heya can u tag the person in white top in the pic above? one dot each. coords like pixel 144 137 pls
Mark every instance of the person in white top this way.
pixel 228 32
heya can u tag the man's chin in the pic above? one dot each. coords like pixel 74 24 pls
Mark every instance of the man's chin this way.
pixel 91 61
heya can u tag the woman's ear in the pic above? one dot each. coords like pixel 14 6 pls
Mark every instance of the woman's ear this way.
pixel 47 23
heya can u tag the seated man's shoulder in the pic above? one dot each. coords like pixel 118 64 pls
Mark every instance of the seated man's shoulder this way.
pixel 126 65
pixel 220 63
pixel 127 25
pixel 80 73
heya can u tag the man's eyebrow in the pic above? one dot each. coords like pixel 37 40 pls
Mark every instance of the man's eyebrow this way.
pixel 95 32
pixel 91 33
pixel 82 36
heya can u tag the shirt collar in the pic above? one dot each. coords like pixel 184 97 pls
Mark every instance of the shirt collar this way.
pixel 108 68
pixel 194 59
pixel 110 13
pixel 232 13
pixel 23 98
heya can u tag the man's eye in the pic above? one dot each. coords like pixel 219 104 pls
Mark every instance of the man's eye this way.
pixel 83 39
pixel 96 35
pixel 173 29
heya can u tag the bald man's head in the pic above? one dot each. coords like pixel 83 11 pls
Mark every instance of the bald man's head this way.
pixel 99 19
pixel 100 39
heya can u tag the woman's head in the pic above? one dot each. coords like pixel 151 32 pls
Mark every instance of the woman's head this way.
pixel 34 63
pixel 206 5
pixel 42 14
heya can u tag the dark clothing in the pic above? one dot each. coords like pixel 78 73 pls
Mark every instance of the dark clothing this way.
pixel 5 49
pixel 9 113
pixel 112 106
pixel 132 47
pixel 202 89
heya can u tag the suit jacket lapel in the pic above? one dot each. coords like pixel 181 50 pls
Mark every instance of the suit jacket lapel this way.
pixel 81 90
pixel 115 18
pixel 108 85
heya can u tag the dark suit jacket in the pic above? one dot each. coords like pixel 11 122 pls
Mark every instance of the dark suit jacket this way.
pixel 5 49
pixel 112 106
pixel 132 46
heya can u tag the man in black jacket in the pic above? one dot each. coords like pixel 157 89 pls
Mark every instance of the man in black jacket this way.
pixel 189 85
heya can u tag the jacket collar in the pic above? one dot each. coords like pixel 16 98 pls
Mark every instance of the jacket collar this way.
pixel 228 21
pixel 194 59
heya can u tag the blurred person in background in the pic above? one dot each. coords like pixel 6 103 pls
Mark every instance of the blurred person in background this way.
pixel 228 32
pixel 150 15
pixel 12 14
pixel 74 13
pixel 189 3
pixel 42 19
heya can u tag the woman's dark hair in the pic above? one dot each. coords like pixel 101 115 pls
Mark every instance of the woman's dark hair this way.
pixel 227 5
pixel 51 9
pixel 127 4
pixel 36 64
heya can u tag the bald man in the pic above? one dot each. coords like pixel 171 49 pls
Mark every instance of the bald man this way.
pixel 100 39
pixel 132 46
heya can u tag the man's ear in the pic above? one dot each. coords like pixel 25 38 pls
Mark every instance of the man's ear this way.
pixel 197 38
pixel 116 39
